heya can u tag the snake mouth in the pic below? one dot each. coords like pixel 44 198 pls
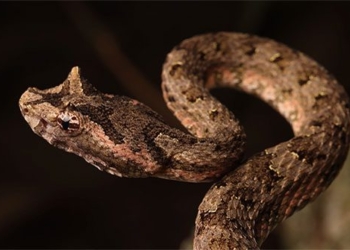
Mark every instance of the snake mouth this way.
pixel 33 107
pixel 32 120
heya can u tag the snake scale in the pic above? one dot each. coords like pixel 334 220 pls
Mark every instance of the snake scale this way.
pixel 250 196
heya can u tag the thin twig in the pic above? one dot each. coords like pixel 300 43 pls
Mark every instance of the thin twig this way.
pixel 107 48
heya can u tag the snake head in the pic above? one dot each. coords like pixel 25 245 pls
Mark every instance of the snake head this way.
pixel 113 133
pixel 50 113
pixel 53 115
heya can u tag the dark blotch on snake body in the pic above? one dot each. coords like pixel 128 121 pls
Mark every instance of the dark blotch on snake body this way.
pixel 101 116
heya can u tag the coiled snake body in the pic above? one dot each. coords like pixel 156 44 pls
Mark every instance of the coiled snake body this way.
pixel 126 138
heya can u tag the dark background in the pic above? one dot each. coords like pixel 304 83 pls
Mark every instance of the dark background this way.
pixel 51 199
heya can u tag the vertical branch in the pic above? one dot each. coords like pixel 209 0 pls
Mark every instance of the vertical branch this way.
pixel 108 50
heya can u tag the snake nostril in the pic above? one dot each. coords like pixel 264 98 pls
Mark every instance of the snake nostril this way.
pixel 175 69
pixel 25 110
pixel 171 98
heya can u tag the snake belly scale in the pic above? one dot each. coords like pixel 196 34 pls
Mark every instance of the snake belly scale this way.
pixel 250 197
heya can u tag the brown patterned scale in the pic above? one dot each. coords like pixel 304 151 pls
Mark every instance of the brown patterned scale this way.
pixel 126 138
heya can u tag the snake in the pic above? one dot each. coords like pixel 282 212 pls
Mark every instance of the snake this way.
pixel 250 196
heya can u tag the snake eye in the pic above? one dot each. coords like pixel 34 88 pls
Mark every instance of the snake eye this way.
pixel 68 121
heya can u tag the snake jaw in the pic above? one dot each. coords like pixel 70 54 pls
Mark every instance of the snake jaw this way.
pixel 36 115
